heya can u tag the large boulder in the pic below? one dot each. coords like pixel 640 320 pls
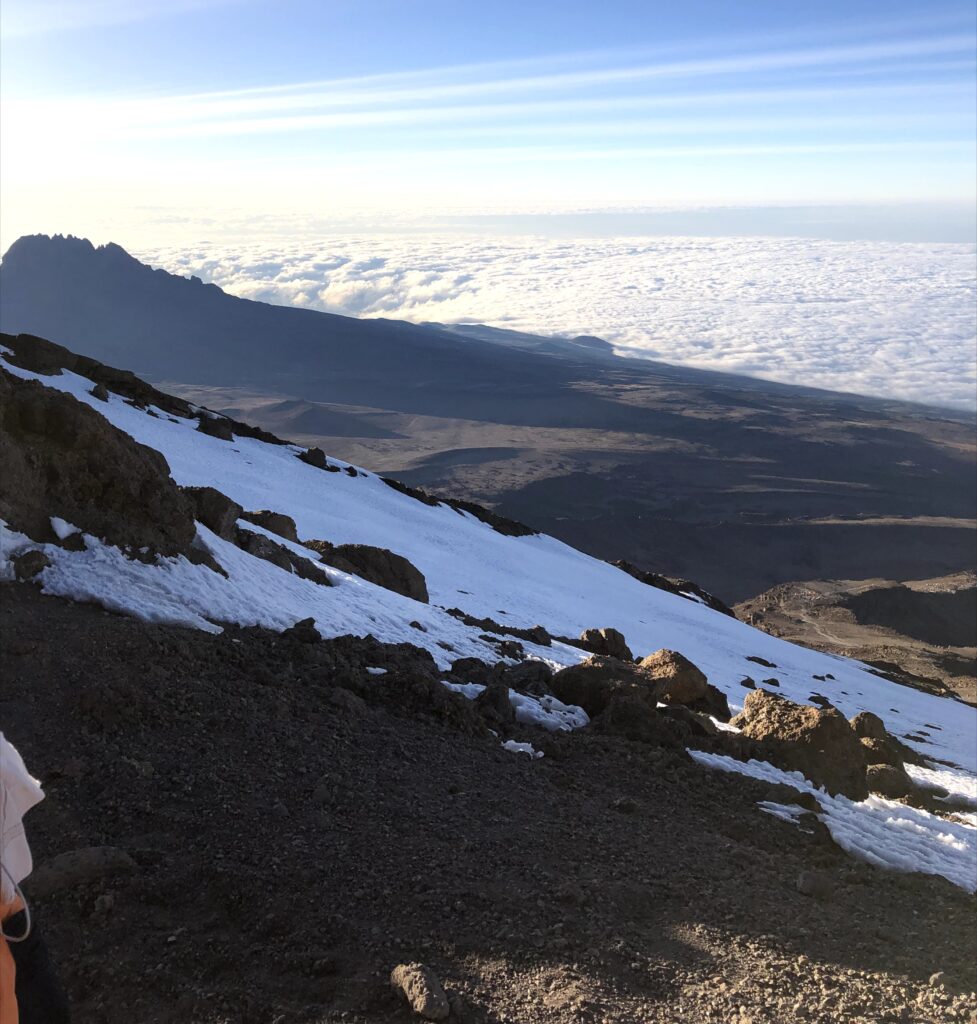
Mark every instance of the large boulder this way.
pixel 714 703
pixel 528 677
pixel 260 546
pixel 58 457
pixel 275 522
pixel 880 752
pixel 867 725
pixel 215 510
pixel 608 642
pixel 679 681
pixel 494 704
pixel 422 989
pixel 632 717
pixel 215 426
pixel 593 683
pixel 817 742
pixel 880 746
pixel 376 565
pixel 888 780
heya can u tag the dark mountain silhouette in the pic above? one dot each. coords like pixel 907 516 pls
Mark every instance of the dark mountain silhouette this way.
pixel 105 303
pixel 737 483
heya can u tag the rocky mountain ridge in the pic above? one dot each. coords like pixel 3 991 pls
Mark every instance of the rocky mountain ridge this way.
pixel 736 483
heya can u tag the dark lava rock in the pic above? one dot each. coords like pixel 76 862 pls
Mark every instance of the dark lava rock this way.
pixel 317 457
pixel 633 718
pixel 58 457
pixel 760 661
pixel 534 634
pixel 471 670
pixel 42 356
pixel 888 780
pixel 880 745
pixel 698 724
pixel 867 725
pixel 215 510
pixel 303 631
pixel 673 585
pixel 528 677
pixel 880 752
pixel 714 703
pixel 593 683
pixel 493 702
pixel 276 522
pixel 101 392
pixel 215 426
pixel 507 527
pixel 376 565
pixel 29 564
pixel 260 546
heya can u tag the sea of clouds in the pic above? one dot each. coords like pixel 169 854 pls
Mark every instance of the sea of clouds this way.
pixel 875 318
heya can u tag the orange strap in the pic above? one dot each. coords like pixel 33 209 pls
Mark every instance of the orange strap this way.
pixel 8 997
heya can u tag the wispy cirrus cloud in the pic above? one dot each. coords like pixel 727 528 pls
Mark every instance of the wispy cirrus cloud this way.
pixel 858 113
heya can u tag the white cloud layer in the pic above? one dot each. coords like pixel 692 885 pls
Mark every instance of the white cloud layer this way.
pixel 876 318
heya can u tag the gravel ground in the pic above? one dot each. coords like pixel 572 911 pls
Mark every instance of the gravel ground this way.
pixel 287 827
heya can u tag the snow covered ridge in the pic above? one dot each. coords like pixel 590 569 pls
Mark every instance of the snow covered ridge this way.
pixel 519 582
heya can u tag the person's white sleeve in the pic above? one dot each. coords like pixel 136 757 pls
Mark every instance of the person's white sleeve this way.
pixel 19 792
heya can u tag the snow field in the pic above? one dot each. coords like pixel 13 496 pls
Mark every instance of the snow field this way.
pixel 518 581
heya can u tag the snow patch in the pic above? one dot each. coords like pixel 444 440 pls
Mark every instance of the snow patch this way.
pixel 546 712
pixel 882 832
pixel 961 786
pixel 63 529
pixel 522 748
pixel 785 812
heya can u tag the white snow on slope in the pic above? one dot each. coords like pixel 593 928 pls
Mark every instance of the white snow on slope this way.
pixel 961 786
pixel 882 832
pixel 514 747
pixel 546 712
pixel 520 581
pixel 256 593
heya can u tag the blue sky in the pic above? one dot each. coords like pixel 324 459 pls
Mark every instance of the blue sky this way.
pixel 154 116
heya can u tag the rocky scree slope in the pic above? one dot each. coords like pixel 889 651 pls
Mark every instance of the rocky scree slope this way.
pixel 251 531
pixel 257 827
